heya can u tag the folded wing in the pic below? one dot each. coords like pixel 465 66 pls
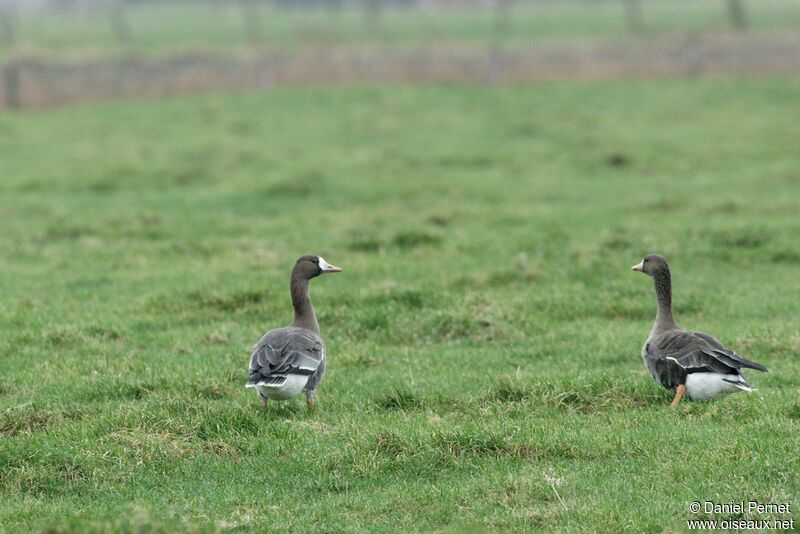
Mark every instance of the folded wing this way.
pixel 283 352
pixel 673 355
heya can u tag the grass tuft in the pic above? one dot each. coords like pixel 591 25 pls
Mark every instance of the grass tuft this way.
pixel 401 399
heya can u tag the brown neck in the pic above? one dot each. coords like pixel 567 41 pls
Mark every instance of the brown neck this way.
pixel 664 318
pixel 304 316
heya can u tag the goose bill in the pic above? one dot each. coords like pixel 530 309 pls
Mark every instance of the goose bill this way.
pixel 326 267
pixel 638 266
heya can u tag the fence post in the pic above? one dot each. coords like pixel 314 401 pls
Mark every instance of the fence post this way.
pixel 9 21
pixel 372 16
pixel 120 25
pixel 501 26
pixel 633 15
pixel 737 14
pixel 251 17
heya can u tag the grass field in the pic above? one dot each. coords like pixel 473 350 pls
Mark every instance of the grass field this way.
pixel 484 338
pixel 159 27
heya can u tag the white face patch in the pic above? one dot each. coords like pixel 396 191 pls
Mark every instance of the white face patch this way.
pixel 326 267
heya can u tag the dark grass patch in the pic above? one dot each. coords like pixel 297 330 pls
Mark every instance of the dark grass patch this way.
pixel 623 309
pixel 746 238
pixel 663 205
pixel 726 207
pixel 190 168
pixel 793 410
pixel 230 302
pixel 618 159
pixel 364 244
pixel 786 256
pixel 414 239
pixel 102 333
pixel 598 394
pixel 114 390
pixel 69 336
pixel 358 360
pixel 401 399
pixel 65 232
pixel 482 444
pixel 142 225
pixel 213 391
pixel 64 337
pixel 391 444
pixel 765 344
pixel 627 309
pixel 30 418
pixel 617 242
pixel 507 390
pixel 299 186
pixel 515 275
pixel 402 240
pixel 500 445
pixel 224 449
pixel 218 424
pixel 626 302
pixel 194 418
pixel 50 477
pixel 233 301
pixel 526 129
pixel 439 220
pixel 374 319
pixel 394 454
pixel 103 186
pixel 72 474
pixel 411 299
pixel 446 326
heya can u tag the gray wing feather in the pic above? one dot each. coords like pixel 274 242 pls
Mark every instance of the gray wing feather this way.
pixel 673 355
pixel 285 351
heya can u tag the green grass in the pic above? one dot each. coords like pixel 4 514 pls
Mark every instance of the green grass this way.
pixel 163 27
pixel 484 337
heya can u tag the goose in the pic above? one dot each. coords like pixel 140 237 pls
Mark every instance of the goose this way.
pixel 683 361
pixel 289 360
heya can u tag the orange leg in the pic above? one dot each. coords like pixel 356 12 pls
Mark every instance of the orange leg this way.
pixel 310 402
pixel 678 395
pixel 264 403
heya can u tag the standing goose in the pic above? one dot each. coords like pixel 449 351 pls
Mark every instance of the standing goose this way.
pixel 288 360
pixel 684 361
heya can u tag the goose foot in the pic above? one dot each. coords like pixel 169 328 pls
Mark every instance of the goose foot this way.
pixel 310 403
pixel 678 396
pixel 264 403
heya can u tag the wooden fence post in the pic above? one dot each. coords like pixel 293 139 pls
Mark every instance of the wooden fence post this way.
pixel 372 16
pixel 633 15
pixel 251 18
pixel 9 22
pixel 120 25
pixel 737 14
pixel 500 29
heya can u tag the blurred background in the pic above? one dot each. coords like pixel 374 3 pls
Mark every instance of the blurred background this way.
pixel 484 171
pixel 57 52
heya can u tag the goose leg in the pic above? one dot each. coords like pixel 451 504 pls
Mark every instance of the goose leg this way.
pixel 678 395
pixel 310 402
pixel 264 402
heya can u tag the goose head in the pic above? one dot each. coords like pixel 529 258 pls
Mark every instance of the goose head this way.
pixel 652 265
pixel 312 266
